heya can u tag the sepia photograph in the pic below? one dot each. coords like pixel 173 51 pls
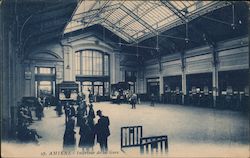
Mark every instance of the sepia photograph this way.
pixel 124 78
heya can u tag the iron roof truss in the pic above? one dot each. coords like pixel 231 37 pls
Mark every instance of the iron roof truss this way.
pixel 135 21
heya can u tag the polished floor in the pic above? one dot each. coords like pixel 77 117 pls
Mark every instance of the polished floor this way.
pixel 192 132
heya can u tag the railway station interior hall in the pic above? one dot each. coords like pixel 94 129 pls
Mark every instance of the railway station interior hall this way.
pixel 184 64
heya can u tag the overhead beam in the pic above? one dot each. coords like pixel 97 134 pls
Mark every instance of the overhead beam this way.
pixel 98 13
pixel 104 18
pixel 191 16
pixel 137 6
pixel 81 26
pixel 93 12
pixel 136 17
pixel 176 11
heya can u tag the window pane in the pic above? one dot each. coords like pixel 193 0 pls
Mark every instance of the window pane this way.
pixel 93 63
pixel 87 83
pixel 77 62
pixel 97 63
pixel 86 86
pixel 44 70
pixel 101 90
pixel 87 62
pixel 106 88
pixel 106 65
pixel 98 83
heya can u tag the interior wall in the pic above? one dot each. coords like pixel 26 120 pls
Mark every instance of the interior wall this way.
pixel 12 72
pixel 44 55
pixel 233 55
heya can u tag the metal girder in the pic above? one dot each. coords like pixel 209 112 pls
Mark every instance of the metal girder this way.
pixel 134 21
pixel 136 17
pixel 100 10
pixel 137 6
pixel 216 20
pixel 96 21
pixel 176 11
pixel 93 12
pixel 104 18
pixel 119 34
pixel 119 31
pixel 212 6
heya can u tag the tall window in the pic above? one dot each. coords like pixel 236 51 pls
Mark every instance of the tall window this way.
pixel 92 63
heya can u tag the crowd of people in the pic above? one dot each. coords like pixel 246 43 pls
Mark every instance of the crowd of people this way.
pixel 83 116
pixel 89 130
pixel 25 119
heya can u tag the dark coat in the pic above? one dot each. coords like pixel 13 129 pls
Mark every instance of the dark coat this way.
pixel 39 110
pixel 87 138
pixel 72 111
pixel 80 113
pixel 69 134
pixel 69 138
pixel 102 129
pixel 91 116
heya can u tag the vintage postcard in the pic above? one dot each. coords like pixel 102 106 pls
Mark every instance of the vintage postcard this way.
pixel 124 78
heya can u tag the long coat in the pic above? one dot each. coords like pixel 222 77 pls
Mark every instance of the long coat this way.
pixel 102 129
pixel 91 116
pixel 86 136
pixel 69 138
pixel 80 114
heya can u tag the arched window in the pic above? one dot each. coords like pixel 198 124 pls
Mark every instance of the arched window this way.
pixel 92 63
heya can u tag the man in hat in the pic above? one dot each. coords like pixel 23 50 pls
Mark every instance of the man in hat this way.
pixel 102 131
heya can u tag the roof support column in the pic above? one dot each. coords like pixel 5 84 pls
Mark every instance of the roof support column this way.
pixel 215 75
pixel 161 88
pixel 183 77
pixel 68 63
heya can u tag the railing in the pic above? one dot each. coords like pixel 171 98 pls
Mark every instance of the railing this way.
pixel 154 144
pixel 130 136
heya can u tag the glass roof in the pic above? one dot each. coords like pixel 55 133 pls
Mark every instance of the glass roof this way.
pixel 134 20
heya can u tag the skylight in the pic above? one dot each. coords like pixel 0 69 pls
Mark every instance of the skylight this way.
pixel 137 20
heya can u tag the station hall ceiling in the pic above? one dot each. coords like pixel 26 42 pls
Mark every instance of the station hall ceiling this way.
pixel 145 28
pixel 135 21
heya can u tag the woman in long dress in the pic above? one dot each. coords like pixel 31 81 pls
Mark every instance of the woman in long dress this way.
pixel 85 135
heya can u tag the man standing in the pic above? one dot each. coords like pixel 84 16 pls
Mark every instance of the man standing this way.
pixel 133 101
pixel 152 99
pixel 102 131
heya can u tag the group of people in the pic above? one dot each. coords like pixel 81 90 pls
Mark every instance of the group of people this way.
pixel 88 131
pixel 127 97
pixel 24 118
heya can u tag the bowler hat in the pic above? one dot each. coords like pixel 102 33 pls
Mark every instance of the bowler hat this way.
pixel 98 112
